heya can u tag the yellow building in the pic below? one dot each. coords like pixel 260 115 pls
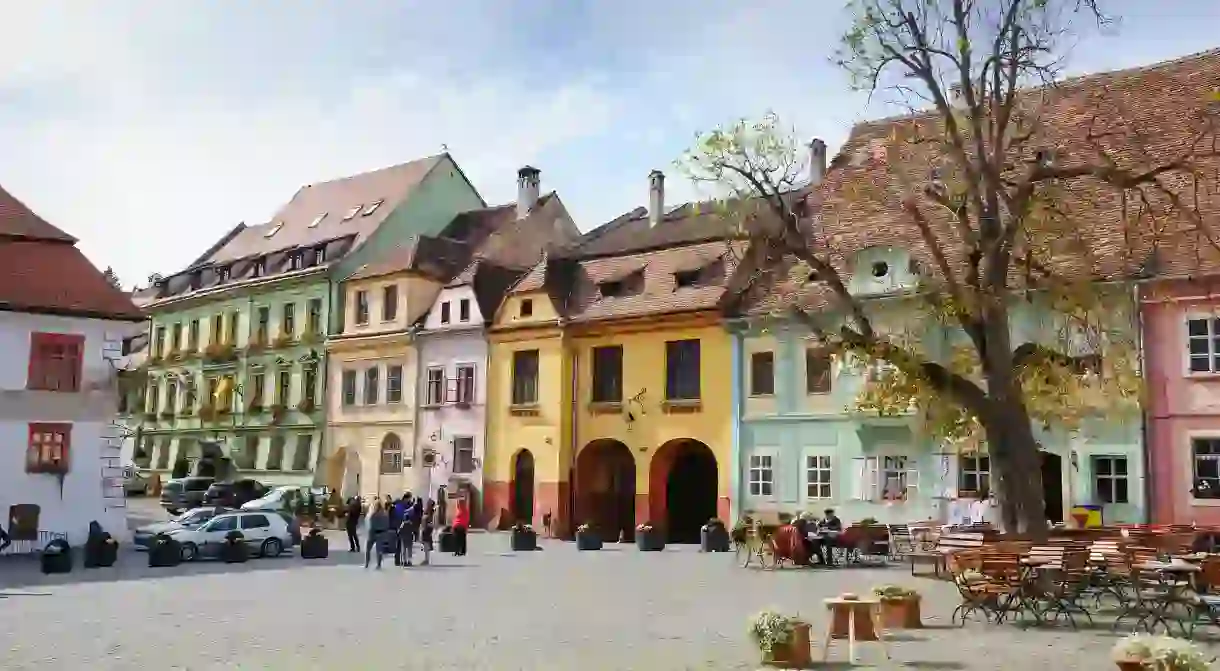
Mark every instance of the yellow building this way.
pixel 609 394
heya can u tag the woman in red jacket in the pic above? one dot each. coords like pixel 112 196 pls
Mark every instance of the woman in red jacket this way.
pixel 461 521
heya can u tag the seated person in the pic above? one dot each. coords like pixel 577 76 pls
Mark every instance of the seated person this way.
pixel 833 525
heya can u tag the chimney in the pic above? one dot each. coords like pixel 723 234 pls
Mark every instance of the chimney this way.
pixel 527 190
pixel 817 161
pixel 656 197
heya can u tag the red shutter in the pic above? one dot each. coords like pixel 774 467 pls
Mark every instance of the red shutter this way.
pixel 56 361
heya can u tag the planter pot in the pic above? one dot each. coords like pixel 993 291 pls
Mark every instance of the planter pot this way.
pixel 714 539
pixel 234 552
pixel 57 557
pixel 795 653
pixel 102 553
pixel 448 544
pixel 901 613
pixel 649 541
pixel 1130 665
pixel 588 540
pixel 164 554
pixel 524 541
pixel 315 546
pixel 840 626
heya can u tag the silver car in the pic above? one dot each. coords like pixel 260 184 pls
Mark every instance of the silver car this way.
pixel 267 534
pixel 142 537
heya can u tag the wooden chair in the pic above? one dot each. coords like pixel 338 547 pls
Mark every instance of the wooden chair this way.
pixel 901 541
pixel 946 545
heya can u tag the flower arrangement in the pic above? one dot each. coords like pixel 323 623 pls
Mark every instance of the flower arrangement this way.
pixel 523 528
pixel 713 523
pixel 894 593
pixel 1163 653
pixel 644 528
pixel 584 528
pixel 770 630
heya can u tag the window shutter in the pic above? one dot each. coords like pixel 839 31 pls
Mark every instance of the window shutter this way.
pixel 863 479
pixel 912 474
pixel 948 474
pixel 451 390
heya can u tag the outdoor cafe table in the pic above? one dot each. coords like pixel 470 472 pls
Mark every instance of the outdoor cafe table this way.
pixel 1028 591
pixel 1177 581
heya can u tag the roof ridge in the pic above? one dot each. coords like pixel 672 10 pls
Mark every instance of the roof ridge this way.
pixel 366 173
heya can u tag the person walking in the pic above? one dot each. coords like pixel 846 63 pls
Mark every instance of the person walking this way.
pixel 461 520
pixel 379 524
pixel 352 522
pixel 411 523
pixel 426 532
pixel 398 513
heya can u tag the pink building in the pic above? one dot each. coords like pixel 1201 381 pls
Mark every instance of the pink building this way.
pixel 1182 349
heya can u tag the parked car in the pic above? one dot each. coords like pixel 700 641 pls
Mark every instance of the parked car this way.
pixel 235 493
pixel 294 527
pixel 182 494
pixel 135 484
pixel 142 537
pixel 285 497
pixel 267 534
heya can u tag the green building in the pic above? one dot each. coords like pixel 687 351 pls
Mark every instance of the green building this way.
pixel 236 342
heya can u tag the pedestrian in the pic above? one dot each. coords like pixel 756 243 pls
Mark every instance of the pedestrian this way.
pixel 461 520
pixel 441 502
pixel 379 526
pixel 398 515
pixel 546 524
pixel 426 532
pixel 412 521
pixel 355 508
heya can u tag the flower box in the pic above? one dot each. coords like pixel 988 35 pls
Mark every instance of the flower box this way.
pixel 164 552
pixel 315 545
pixel 523 538
pixel 234 549
pixel 649 538
pixel 782 640
pixel 714 537
pixel 587 539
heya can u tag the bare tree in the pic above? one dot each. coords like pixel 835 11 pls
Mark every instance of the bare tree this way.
pixel 1000 201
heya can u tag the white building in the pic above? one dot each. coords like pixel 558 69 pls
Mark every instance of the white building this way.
pixel 61 327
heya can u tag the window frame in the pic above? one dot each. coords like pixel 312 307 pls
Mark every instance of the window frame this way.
pixel 348 392
pixel 288 320
pixel 819 467
pixel 463 310
pixel 434 389
pixel 466 387
pixel 390 451
pixel 393 383
pixel 525 308
pixel 389 302
pixel 446 312
pixel 1097 477
pixel 524 383
pixel 757 358
pixel 313 317
pixel 759 468
pixel 681 358
pixel 1214 441
pixel 361 307
pixel 283 387
pixel 817 353
pixel 36 460
pixel 372 386
pixel 458 465
pixel 606 384
pixel 972 466
pixel 56 362
pixel 1211 338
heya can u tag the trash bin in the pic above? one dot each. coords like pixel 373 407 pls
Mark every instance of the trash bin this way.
pixel 57 557
pixel 315 545
pixel 164 552
pixel 234 550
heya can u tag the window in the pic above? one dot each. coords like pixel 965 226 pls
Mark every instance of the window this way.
pixel 226 523
pixel 234 320
pixel 255 522
pixel 445 312
pixel 349 387
pixel 525 377
pixel 159 342
pixel 313 319
pixel 434 394
pixel 351 214
pixel 371 386
pixel 260 268
pixel 762 374
pixel 296 260
pixel 686 278
pixel 247 457
pixel 171 397
pixel 263 330
pixel 48 448
pixel 163 453
pixel 527 307
pixel 608 374
pixel 218 329
pixel 309 386
pixel 463 454
pixel 1110 479
pixel 389 303
pixel 362 307
pixel 465 384
pixel 154 388
pixel 391 454
pixel 283 387
pixel 317 220
pixel 288 327
pixel 319 255
pixel 1203 342
pixel 372 207
pixel 682 370
pixel 393 384
pixel 258 383
pixel 888 478
pixel 222 274
pixel 55 361
pixel 761 476
pixel 175 338
pixel 274 229
pixel 817 371
pixel 192 336
pixel 464 310
pixel 974 474
pixel 302 453
pixel 275 454
pixel 817 476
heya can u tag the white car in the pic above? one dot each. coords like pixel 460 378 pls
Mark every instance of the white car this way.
pixel 285 497
pixel 267 534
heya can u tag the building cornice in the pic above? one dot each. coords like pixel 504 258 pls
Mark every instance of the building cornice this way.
pixel 236 289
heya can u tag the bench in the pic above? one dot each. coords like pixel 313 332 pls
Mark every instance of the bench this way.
pixel 946 545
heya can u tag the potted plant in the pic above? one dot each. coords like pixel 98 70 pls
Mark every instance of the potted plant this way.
pixel 1158 653
pixel 714 536
pixel 57 557
pixel 648 538
pixel 523 538
pixel 315 545
pixel 899 607
pixel 234 549
pixel 164 551
pixel 782 640
pixel 587 538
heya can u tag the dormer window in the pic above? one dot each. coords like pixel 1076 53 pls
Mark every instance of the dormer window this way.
pixel 351 214
pixel 686 278
pixel 317 220
pixel 319 255
pixel 274 229
pixel 372 207
pixel 222 274
pixel 295 260
pixel 260 268
pixel 609 289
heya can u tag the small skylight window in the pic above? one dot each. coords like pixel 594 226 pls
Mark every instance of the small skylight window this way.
pixel 351 214
pixel 317 220
pixel 274 229
pixel 372 207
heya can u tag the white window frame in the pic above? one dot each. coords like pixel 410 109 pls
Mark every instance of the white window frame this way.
pixel 760 463
pixel 1190 467
pixel 1096 477
pixel 1213 345
pixel 824 464
pixel 457 462
pixel 429 399
pixel 963 469
pixel 869 476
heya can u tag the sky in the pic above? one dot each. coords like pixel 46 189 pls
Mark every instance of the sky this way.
pixel 148 128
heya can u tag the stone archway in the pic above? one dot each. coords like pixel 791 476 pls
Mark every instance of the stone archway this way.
pixel 521 503
pixel 605 488
pixel 343 472
pixel 683 481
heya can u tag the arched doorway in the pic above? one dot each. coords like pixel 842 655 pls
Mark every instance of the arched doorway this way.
pixel 682 488
pixel 605 488
pixel 523 487
pixel 343 472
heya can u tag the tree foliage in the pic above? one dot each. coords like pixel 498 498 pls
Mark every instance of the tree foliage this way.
pixel 1005 211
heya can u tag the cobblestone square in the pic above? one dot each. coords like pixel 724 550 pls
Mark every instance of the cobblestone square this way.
pixel 552 609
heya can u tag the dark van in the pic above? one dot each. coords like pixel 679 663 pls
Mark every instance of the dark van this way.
pixel 184 493
pixel 233 494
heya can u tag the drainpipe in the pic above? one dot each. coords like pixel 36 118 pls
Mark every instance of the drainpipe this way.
pixel 735 387
pixel 1145 453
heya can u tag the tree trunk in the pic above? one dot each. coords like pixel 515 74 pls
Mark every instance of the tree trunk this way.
pixel 1016 464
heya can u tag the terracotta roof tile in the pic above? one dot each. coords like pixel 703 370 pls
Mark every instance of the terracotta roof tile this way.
pixel 19 221
pixel 43 276
pixel 859 204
